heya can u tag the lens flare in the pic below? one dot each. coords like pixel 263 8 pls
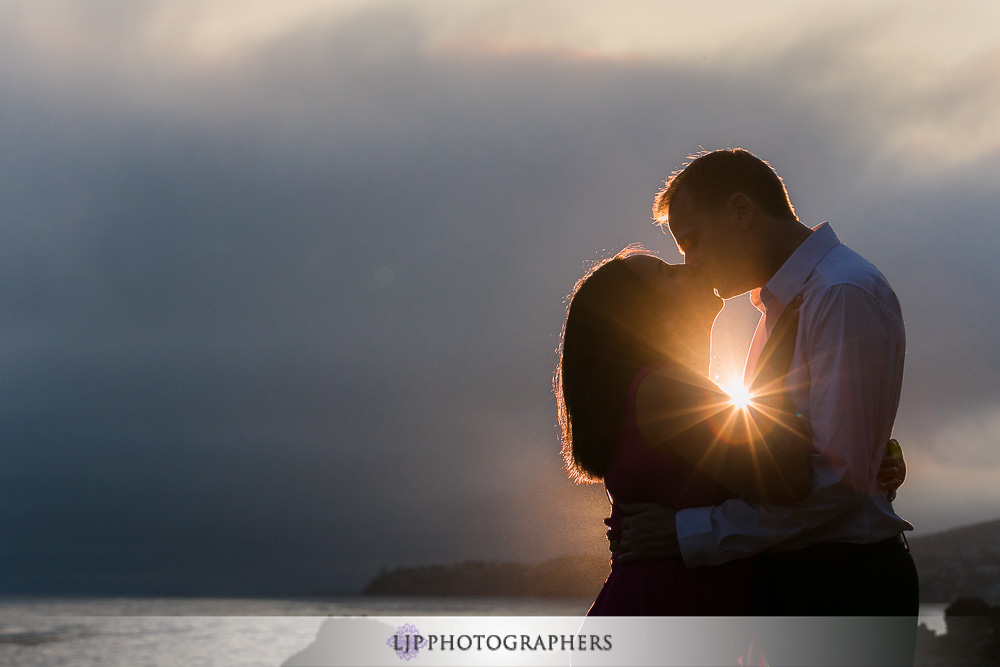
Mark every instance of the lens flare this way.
pixel 739 395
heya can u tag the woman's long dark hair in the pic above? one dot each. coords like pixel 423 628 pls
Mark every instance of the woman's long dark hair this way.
pixel 610 334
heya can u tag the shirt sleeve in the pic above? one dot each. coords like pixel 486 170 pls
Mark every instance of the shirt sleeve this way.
pixel 847 344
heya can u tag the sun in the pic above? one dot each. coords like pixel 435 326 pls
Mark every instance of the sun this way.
pixel 739 395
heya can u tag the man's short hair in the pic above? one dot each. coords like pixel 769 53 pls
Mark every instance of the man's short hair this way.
pixel 712 177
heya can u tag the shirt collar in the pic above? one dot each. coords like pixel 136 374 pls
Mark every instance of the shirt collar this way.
pixel 789 279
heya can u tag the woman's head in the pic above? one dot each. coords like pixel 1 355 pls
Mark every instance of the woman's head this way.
pixel 682 302
pixel 627 312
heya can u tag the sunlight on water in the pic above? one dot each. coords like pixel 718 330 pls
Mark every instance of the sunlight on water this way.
pixel 210 631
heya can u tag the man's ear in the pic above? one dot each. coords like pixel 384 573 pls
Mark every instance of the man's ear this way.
pixel 742 209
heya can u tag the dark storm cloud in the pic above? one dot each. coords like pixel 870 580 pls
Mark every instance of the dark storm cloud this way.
pixel 273 323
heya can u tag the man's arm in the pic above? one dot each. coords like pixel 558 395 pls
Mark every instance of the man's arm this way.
pixel 649 530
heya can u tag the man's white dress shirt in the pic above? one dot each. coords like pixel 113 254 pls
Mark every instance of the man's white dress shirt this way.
pixel 846 376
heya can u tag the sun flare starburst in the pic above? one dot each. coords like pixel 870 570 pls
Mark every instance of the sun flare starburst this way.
pixel 739 395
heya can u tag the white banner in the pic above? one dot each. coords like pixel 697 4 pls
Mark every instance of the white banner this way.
pixel 426 641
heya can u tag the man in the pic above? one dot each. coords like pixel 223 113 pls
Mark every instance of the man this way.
pixel 841 551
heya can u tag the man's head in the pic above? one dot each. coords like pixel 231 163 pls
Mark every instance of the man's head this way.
pixel 729 213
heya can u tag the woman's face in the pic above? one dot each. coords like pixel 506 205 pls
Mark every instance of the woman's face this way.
pixel 686 292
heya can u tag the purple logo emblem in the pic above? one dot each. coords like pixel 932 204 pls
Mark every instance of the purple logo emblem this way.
pixel 406 642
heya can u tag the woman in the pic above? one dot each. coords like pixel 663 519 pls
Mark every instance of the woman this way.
pixel 638 412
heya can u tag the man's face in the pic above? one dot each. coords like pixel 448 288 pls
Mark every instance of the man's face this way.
pixel 710 240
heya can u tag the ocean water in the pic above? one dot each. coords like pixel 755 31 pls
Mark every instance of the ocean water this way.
pixel 192 632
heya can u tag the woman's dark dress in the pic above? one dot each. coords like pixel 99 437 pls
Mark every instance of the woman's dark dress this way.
pixel 643 473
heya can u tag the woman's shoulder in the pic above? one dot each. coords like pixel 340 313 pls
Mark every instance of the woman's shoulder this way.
pixel 676 380
pixel 673 398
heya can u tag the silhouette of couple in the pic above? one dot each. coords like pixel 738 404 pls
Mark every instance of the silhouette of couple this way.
pixel 779 508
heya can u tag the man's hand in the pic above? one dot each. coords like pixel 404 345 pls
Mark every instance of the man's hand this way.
pixel 892 470
pixel 649 532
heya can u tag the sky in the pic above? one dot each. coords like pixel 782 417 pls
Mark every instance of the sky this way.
pixel 281 284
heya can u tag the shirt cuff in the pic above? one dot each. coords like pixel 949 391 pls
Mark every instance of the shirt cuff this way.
pixel 695 535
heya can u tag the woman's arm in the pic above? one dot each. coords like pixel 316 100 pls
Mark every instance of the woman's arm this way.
pixel 762 452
